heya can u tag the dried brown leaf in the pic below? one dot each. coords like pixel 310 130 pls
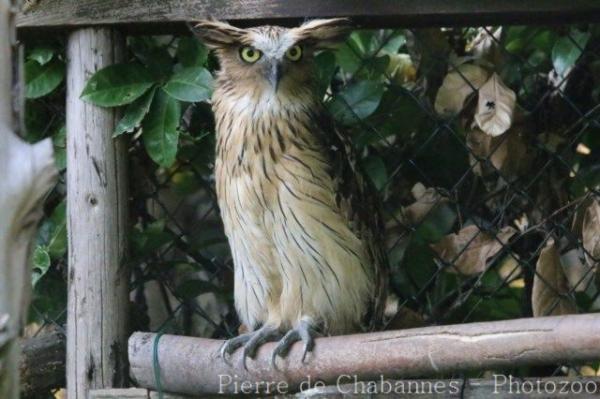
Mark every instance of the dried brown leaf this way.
pixel 578 273
pixel 507 154
pixel 590 233
pixel 457 86
pixel 401 68
pixel 485 46
pixel 405 318
pixel 399 317
pixel 425 200
pixel 550 294
pixel 469 249
pixel 581 206
pixel 511 271
pixel 495 107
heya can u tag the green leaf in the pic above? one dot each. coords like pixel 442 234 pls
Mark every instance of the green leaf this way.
pixel 357 100
pixel 155 57
pixel 375 168
pixel 42 54
pixel 190 52
pixel 394 42
pixel 41 264
pixel 190 84
pixel 437 224
pixel 134 113
pixel 152 238
pixel 398 114
pixel 37 117
pixel 567 50
pixel 361 48
pixel 373 68
pixel 50 299
pixel 59 140
pixel 349 55
pixel 160 132
pixel 57 239
pixel 325 67
pixel 159 63
pixel 185 182
pixel 117 84
pixel 41 80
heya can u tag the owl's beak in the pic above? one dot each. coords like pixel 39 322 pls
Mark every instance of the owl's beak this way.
pixel 275 74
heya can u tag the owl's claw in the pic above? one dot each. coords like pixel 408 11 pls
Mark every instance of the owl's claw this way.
pixel 250 342
pixel 231 345
pixel 259 337
pixel 303 332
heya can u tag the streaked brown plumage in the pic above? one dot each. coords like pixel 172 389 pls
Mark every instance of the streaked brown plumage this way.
pixel 302 223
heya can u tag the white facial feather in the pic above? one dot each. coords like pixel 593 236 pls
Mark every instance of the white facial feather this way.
pixel 273 47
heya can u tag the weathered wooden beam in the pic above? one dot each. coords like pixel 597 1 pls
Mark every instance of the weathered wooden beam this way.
pixel 43 364
pixel 152 16
pixel 192 366
pixel 97 224
pixel 27 173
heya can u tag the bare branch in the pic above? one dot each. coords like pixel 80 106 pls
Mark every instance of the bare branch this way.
pixel 191 365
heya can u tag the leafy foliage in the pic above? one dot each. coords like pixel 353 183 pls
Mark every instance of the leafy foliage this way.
pixel 42 79
pixel 117 85
pixel 44 117
pixel 153 92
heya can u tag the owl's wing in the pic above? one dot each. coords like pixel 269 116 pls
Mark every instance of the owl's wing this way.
pixel 357 198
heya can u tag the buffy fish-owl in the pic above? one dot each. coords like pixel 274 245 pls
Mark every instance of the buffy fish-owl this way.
pixel 302 222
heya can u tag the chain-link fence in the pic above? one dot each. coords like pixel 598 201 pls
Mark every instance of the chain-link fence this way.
pixel 483 144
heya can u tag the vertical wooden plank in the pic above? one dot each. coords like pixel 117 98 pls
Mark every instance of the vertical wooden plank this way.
pixel 97 224
pixel 27 172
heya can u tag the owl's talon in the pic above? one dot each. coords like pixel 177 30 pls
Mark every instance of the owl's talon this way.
pixel 304 332
pixel 257 338
pixel 231 345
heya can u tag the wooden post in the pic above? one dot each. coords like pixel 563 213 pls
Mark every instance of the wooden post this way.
pixel 27 173
pixel 97 224
pixel 192 366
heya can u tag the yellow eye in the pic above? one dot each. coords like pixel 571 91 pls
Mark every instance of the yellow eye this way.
pixel 250 54
pixel 294 53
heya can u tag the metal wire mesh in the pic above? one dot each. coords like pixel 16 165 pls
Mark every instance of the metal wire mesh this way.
pixel 525 193
pixel 479 227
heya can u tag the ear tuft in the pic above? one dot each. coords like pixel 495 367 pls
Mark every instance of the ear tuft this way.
pixel 216 34
pixel 324 33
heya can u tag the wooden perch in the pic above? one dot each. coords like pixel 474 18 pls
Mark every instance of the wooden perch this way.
pixel 43 364
pixel 192 366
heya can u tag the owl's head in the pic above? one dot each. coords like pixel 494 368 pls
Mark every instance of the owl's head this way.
pixel 270 57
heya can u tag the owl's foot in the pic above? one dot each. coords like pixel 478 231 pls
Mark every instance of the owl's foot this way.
pixel 303 332
pixel 250 342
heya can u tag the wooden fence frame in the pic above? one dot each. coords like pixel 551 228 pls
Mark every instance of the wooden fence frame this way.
pixel 97 201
